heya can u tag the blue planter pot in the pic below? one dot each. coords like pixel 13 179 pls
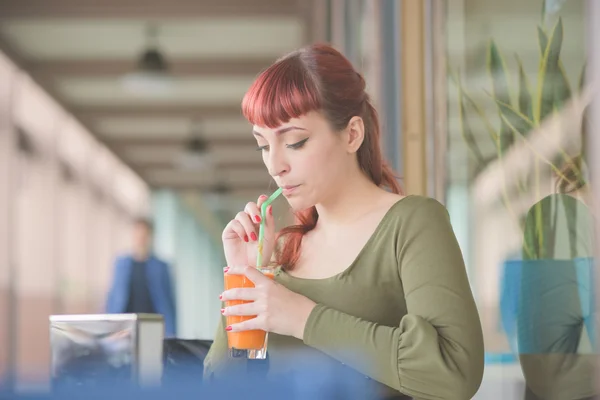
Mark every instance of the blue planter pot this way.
pixel 544 304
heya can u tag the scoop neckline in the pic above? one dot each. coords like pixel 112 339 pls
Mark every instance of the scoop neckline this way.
pixel 360 253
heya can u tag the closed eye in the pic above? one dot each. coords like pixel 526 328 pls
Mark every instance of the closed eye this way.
pixel 297 145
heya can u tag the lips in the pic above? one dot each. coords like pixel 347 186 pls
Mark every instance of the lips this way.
pixel 288 189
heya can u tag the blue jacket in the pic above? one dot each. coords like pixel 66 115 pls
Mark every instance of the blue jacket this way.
pixel 159 285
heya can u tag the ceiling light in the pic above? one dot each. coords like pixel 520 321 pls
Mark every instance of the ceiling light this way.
pixel 196 152
pixel 152 74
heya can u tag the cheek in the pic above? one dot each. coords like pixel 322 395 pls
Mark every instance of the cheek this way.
pixel 322 166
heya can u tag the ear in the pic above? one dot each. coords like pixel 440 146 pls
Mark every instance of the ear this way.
pixel 355 134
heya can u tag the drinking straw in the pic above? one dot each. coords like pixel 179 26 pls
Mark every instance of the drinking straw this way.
pixel 261 229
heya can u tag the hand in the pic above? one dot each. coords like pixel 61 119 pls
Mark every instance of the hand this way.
pixel 277 309
pixel 240 236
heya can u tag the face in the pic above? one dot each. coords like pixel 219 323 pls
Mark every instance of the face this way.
pixel 141 237
pixel 308 159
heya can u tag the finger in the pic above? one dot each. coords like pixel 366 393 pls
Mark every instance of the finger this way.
pixel 249 325
pixel 261 200
pixel 248 225
pixel 247 294
pixel 270 221
pixel 237 228
pixel 251 273
pixel 243 310
pixel 252 210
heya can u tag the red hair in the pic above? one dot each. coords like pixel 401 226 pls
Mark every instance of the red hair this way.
pixel 317 78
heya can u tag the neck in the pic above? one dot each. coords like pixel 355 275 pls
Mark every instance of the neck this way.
pixel 348 202
pixel 141 254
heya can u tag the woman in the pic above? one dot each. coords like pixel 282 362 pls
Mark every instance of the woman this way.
pixel 370 280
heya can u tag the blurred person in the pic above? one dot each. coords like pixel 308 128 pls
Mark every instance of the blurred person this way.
pixel 370 281
pixel 556 317
pixel 141 281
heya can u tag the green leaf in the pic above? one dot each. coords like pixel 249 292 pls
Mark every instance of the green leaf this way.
pixel 466 131
pixel 582 78
pixel 505 138
pixel 529 236
pixel 543 11
pixel 515 118
pixel 525 101
pixel 523 123
pixel 498 72
pixel 548 69
pixel 488 125
pixel 542 40
pixel 562 89
pixel 496 67
pixel 539 244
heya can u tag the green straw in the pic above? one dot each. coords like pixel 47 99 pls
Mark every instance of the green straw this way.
pixel 261 229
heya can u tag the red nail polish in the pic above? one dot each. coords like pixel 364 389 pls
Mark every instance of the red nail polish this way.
pixel 246 239
pixel 228 328
pixel 222 311
pixel 220 297
pixel 257 218
pixel 270 210
pixel 225 269
pixel 253 236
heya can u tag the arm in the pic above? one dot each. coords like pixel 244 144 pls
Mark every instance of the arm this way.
pixel 110 306
pixel 437 349
pixel 171 317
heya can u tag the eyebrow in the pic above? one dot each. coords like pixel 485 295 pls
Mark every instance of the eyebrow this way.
pixel 281 131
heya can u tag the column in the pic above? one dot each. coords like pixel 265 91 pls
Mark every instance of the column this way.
pixel 412 35
pixel 7 168
pixel 593 141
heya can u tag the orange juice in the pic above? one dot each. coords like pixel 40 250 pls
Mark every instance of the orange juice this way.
pixel 247 340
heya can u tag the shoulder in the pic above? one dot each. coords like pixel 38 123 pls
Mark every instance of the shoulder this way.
pixel 414 215
pixel 418 208
pixel 160 262
pixel 122 260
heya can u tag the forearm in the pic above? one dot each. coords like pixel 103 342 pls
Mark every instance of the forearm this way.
pixel 412 358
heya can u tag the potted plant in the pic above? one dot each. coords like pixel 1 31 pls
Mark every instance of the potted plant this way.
pixel 516 117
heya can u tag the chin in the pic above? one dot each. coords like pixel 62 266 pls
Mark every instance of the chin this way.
pixel 298 204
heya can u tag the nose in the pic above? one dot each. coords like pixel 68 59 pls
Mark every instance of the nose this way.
pixel 276 162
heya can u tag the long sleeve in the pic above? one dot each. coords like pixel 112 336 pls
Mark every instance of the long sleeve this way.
pixel 171 315
pixel 437 349
pixel 115 291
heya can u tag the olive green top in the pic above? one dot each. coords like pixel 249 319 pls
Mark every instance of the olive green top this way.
pixel 402 314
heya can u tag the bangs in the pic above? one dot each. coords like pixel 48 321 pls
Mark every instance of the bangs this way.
pixel 284 91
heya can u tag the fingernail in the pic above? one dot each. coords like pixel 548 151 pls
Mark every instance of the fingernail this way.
pixel 270 210
pixel 225 269
pixel 246 238
pixel 253 236
pixel 263 196
pixel 222 311
pixel 220 297
pixel 228 328
pixel 257 218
